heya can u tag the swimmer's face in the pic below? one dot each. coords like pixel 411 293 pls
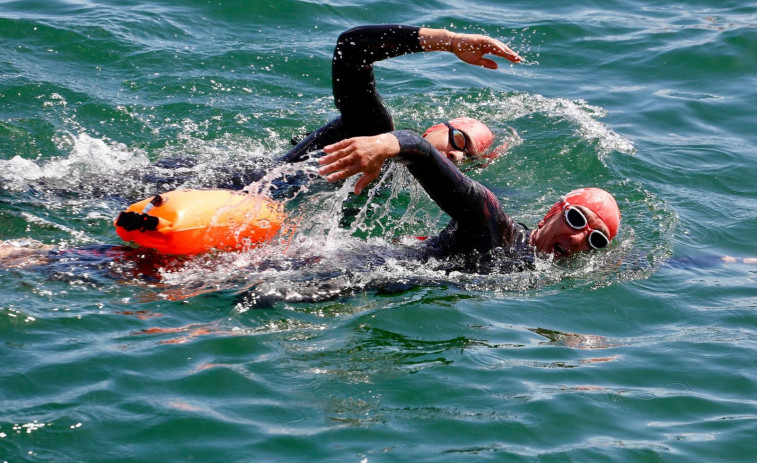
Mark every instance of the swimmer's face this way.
pixel 440 139
pixel 555 236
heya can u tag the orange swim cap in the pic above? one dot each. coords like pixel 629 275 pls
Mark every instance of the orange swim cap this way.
pixel 476 130
pixel 598 201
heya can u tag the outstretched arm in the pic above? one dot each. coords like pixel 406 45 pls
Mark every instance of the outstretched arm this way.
pixel 469 48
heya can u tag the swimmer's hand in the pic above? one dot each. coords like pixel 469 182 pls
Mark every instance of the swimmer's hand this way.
pixel 469 48
pixel 359 155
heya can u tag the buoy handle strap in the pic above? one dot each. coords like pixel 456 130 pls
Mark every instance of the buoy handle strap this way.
pixel 157 201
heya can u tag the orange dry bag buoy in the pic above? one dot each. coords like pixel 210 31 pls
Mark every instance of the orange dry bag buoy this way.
pixel 196 221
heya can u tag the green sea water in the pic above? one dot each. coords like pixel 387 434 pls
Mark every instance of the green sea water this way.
pixel 643 353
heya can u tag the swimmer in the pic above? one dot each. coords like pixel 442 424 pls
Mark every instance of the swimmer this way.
pixel 362 138
pixel 362 111
pixel 585 219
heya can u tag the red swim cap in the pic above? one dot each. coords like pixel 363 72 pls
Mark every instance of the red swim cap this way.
pixel 598 201
pixel 476 130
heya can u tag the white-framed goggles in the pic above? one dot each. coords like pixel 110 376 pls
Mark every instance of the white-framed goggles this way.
pixel 576 219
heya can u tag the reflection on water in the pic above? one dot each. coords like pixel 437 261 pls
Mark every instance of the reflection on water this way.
pixel 578 341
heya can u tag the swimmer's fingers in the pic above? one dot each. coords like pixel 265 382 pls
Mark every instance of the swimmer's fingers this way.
pixel 364 155
pixel 332 150
pixel 341 169
pixel 506 52
pixel 471 49
pixel 348 166
pixel 342 160
pixel 365 180
pixel 334 153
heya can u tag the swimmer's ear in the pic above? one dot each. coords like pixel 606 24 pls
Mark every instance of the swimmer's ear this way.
pixel 541 224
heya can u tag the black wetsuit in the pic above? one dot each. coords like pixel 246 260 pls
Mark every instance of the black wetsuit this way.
pixel 362 112
pixel 481 234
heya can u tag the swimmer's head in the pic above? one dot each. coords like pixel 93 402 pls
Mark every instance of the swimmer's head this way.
pixel 460 138
pixel 582 220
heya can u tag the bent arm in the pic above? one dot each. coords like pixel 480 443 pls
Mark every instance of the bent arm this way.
pixel 363 112
pixel 476 210
pixel 465 200
pixel 353 82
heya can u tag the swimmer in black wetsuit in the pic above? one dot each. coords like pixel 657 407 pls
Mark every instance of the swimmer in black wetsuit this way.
pixel 362 139
pixel 362 111
pixel 582 220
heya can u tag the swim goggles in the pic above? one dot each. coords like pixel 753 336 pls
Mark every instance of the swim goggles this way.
pixel 458 139
pixel 576 219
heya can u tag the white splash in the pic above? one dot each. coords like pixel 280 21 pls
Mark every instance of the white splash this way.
pixel 90 158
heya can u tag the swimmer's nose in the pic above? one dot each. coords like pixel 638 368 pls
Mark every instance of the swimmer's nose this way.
pixel 579 238
pixel 456 156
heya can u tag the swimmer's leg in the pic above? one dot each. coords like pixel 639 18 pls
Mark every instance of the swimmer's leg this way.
pixel 24 253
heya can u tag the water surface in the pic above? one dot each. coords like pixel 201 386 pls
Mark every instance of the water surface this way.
pixel 330 349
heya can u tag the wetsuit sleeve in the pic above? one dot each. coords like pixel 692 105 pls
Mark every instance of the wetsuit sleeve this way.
pixel 354 84
pixel 476 210
pixel 323 136
pixel 362 111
